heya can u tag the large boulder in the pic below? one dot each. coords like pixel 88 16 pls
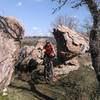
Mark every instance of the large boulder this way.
pixel 11 32
pixel 29 58
pixel 69 43
pixel 31 53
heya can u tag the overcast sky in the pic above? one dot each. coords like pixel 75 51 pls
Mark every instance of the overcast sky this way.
pixel 36 15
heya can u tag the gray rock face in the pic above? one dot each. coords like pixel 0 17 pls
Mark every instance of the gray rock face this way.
pixel 11 33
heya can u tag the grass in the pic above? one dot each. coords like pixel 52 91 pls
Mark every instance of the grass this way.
pixel 81 85
pixel 3 97
pixel 78 85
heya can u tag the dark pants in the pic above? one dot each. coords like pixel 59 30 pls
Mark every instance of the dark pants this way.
pixel 48 67
pixel 32 65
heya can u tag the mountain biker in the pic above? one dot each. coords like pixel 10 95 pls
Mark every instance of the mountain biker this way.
pixel 49 55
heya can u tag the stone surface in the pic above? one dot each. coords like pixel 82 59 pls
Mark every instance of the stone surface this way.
pixel 10 34
pixel 69 43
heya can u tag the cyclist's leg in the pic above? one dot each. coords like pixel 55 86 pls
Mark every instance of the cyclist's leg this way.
pixel 47 69
pixel 49 74
pixel 45 66
pixel 51 70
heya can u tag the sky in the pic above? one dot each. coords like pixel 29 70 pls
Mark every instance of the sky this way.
pixel 36 15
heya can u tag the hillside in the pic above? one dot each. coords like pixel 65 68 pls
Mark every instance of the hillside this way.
pixel 33 40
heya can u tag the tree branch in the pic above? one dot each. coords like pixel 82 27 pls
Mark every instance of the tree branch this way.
pixel 4 24
pixel 61 4
pixel 78 4
pixel 93 8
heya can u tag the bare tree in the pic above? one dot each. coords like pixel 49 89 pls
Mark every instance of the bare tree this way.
pixel 94 8
pixel 69 21
pixel 87 26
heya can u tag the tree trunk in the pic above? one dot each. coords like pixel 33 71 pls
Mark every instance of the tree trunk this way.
pixel 95 36
pixel 95 48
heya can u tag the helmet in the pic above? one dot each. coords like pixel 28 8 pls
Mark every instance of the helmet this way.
pixel 47 42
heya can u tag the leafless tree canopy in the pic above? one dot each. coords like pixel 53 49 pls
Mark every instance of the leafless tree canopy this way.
pixel 75 3
pixel 69 21
pixel 87 26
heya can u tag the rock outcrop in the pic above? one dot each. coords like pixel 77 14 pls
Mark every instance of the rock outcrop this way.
pixel 32 52
pixel 29 58
pixel 69 43
pixel 11 32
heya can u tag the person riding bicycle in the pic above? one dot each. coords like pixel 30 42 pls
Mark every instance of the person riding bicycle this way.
pixel 49 55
